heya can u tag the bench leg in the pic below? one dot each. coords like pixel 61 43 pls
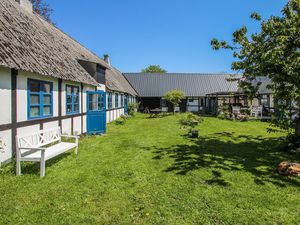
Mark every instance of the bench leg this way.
pixel 43 164
pixel 18 166
pixel 18 162
pixel 76 149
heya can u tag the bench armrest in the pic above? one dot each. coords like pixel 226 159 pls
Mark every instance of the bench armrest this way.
pixel 37 149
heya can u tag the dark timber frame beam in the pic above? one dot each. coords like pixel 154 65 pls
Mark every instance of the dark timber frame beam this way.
pixel 14 86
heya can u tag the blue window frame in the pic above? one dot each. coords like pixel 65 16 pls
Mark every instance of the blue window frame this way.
pixel 72 99
pixel 40 99
pixel 116 100
pixel 122 100
pixel 109 100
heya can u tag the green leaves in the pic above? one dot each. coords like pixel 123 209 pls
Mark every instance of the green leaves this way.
pixel 255 16
pixel 154 69
pixel 273 52
pixel 175 97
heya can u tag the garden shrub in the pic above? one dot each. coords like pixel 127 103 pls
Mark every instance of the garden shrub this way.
pixel 132 108
pixel 122 120
pixel 190 121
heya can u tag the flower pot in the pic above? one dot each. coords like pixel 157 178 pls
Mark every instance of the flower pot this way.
pixel 194 134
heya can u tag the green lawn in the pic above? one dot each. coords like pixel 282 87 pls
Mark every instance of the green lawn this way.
pixel 148 172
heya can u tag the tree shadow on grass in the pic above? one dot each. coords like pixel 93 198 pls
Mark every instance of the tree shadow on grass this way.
pixel 229 152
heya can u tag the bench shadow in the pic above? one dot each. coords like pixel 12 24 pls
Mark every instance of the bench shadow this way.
pixel 33 168
pixel 254 154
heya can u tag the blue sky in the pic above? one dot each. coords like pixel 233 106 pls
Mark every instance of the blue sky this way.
pixel 175 34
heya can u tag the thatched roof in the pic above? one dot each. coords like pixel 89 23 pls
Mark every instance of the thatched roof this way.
pixel 29 43
pixel 116 81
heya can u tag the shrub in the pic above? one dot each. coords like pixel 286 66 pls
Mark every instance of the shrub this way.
pixel 246 111
pixel 132 108
pixel 190 121
pixel 243 118
pixel 221 116
pixel 122 120
pixel 174 97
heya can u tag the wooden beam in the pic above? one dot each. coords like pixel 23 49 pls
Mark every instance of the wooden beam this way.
pixel 81 106
pixel 14 105
pixel 59 102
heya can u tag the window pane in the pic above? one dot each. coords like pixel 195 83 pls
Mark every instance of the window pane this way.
pixel 76 108
pixel 47 100
pixel 34 99
pixel 69 99
pixel 101 102
pixel 47 110
pixel 93 97
pixel 69 90
pixel 34 111
pixel 76 90
pixel 47 88
pixel 76 99
pixel 69 108
pixel 93 106
pixel 34 86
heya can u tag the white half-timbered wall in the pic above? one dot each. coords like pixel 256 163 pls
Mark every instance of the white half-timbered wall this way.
pixel 116 112
pixel 76 122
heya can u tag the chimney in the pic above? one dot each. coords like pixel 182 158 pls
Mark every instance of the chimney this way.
pixel 26 5
pixel 106 59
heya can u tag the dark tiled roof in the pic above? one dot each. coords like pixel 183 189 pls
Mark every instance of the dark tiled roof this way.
pixel 192 84
pixel 116 81
pixel 263 88
pixel 29 43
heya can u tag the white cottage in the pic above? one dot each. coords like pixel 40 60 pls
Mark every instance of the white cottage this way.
pixel 47 79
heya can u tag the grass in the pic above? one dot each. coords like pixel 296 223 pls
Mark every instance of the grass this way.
pixel 148 172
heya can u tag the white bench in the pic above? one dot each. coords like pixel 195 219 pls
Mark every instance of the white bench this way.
pixel 42 146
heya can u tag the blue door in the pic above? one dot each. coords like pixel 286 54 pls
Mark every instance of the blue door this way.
pixel 96 112
pixel 126 104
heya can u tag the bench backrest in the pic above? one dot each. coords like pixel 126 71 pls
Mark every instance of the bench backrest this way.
pixel 39 139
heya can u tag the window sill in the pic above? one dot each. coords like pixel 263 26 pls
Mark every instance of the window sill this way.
pixel 73 113
pixel 40 118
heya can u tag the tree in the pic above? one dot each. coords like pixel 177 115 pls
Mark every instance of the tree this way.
pixel 174 97
pixel 154 69
pixel 43 9
pixel 274 52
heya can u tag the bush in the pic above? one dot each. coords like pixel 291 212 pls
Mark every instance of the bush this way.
pixel 190 121
pixel 243 118
pixel 122 120
pixel 132 108
pixel 246 111
pixel 174 97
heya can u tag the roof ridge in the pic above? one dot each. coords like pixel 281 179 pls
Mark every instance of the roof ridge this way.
pixel 185 73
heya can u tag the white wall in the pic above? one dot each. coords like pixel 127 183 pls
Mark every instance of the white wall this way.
pixel 22 107
pixel 5 113
pixel 5 137
pixel 113 114
pixel 5 95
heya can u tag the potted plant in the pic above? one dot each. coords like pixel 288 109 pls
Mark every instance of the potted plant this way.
pixel 189 122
